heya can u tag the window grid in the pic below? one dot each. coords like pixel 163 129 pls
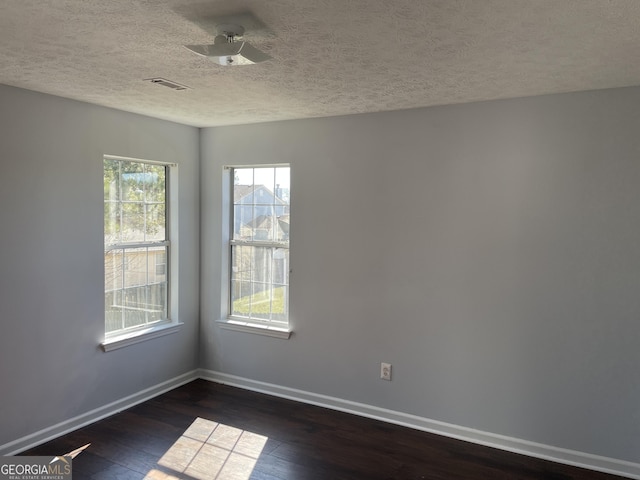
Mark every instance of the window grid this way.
pixel 259 244
pixel 136 294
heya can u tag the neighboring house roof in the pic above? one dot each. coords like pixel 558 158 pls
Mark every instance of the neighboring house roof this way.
pixel 283 221
pixel 265 222
pixel 240 192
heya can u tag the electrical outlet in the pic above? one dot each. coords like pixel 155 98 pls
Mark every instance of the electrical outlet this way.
pixel 385 371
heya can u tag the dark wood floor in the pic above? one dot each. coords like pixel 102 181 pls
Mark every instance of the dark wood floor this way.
pixel 208 431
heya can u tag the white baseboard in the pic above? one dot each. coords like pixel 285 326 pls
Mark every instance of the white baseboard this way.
pixel 49 433
pixel 516 445
pixel 560 455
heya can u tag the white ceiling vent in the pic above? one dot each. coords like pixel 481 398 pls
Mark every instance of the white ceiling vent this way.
pixel 167 83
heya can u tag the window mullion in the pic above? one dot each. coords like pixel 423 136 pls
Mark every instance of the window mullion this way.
pixel 122 300
pixel 258 244
pixel 120 225
pixel 271 251
pixel 253 250
pixel 146 287
pixel 251 269
pixel 117 246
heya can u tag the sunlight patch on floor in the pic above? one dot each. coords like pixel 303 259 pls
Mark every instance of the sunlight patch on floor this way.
pixel 209 450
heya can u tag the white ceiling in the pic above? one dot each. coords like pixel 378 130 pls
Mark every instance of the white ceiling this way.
pixel 330 57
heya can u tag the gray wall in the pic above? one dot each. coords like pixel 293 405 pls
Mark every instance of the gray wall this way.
pixel 489 251
pixel 51 282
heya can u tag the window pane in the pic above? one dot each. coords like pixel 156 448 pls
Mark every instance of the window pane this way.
pixel 262 223
pixel 111 202
pixel 135 267
pixel 281 231
pixel 154 223
pixel 281 267
pixel 134 306
pixel 259 282
pixel 111 180
pixel 243 192
pixel 133 224
pixel 240 292
pixel 261 209
pixel 238 266
pixel 111 223
pixel 260 274
pixel 157 267
pixel 265 177
pixel 280 312
pixel 261 263
pixel 240 280
pixel 243 229
pixel 155 183
pixel 282 184
pixel 157 302
pixel 132 181
pixel 113 270
pixel 113 310
pixel 136 279
pixel 243 176
pixel 261 301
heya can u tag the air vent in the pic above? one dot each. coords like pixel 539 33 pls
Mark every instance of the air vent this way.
pixel 167 83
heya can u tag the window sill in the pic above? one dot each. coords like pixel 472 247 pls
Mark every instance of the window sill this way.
pixel 258 329
pixel 131 338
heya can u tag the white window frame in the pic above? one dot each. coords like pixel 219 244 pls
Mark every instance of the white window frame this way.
pixel 122 338
pixel 241 323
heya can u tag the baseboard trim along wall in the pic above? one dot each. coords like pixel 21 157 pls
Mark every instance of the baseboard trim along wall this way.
pixel 546 452
pixel 560 455
pixel 62 428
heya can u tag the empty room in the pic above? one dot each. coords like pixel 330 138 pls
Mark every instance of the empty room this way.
pixel 304 239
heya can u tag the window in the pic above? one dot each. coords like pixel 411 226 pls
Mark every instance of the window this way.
pixel 259 247
pixel 136 245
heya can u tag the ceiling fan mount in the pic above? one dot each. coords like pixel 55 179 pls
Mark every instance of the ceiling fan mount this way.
pixel 231 31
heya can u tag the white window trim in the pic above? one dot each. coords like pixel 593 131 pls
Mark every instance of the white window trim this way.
pixel 137 336
pixel 226 320
pixel 172 324
pixel 247 326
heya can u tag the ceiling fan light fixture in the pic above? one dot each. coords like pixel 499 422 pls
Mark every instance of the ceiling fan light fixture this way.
pixel 235 53
pixel 228 51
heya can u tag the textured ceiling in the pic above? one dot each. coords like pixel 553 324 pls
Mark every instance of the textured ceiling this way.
pixel 330 57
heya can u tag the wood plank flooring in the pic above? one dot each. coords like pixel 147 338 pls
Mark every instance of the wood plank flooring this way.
pixel 208 431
